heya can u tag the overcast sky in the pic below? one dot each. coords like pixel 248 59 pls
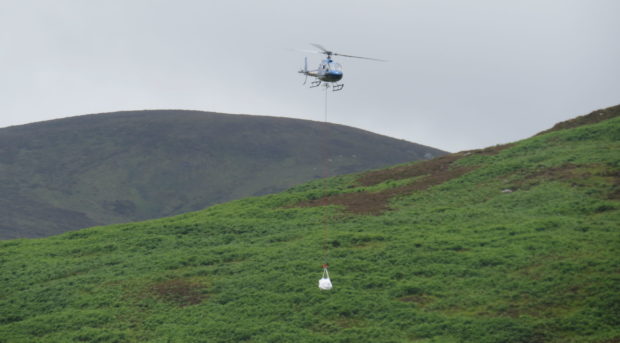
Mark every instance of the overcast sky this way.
pixel 461 74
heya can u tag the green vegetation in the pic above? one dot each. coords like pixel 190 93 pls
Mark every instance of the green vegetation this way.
pixel 516 243
pixel 102 169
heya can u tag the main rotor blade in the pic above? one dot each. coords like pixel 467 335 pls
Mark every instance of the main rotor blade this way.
pixel 327 52
pixel 322 48
pixel 365 58
pixel 308 50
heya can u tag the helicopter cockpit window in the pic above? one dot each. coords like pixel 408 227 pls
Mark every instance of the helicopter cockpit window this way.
pixel 335 66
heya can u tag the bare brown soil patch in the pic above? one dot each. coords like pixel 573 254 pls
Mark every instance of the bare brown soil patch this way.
pixel 375 203
pixel 180 292
pixel 614 193
pixel 490 151
pixel 561 173
pixel 405 172
pixel 428 173
pixel 435 166
pixel 358 203
pixel 612 340
pixel 421 300
pixel 346 323
pixel 577 175
pixel 592 118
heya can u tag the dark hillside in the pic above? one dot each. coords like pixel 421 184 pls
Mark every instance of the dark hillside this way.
pixel 517 243
pixel 108 168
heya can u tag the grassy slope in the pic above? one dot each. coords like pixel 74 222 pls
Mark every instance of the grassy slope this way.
pixel 453 260
pixel 110 168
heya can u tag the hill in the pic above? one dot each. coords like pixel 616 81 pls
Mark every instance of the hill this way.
pixel 110 168
pixel 517 243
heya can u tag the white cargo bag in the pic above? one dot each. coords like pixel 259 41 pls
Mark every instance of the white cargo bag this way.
pixel 325 283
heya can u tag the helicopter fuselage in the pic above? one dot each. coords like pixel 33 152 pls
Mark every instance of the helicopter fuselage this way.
pixel 328 71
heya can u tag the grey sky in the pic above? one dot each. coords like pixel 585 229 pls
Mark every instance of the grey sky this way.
pixel 461 74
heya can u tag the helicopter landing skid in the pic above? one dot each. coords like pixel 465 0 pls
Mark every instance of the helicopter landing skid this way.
pixel 337 87
pixel 315 83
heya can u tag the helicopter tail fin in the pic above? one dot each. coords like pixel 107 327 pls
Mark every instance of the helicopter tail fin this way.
pixel 305 71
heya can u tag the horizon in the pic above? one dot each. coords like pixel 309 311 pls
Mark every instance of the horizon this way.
pixel 313 120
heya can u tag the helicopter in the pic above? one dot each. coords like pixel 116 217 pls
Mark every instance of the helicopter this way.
pixel 329 71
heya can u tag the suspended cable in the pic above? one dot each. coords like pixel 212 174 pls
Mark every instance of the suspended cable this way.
pixel 325 282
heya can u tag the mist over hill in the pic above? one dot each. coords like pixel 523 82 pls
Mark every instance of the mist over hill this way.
pixel 108 168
